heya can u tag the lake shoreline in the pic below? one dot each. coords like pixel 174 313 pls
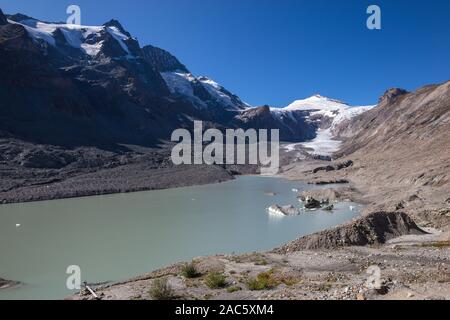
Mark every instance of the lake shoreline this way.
pixel 265 261
pixel 414 259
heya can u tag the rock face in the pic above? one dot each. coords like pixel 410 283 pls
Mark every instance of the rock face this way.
pixel 293 127
pixel 392 94
pixel 100 92
pixel 335 167
pixel 375 228
pixel 3 20
pixel 162 60
pixel 402 122
pixel 401 148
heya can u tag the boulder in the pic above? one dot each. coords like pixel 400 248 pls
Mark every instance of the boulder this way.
pixel 311 203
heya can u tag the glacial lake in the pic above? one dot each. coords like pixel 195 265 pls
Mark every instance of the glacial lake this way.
pixel 115 237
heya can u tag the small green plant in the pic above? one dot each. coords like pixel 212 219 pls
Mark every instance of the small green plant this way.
pixel 233 289
pixel 215 280
pixel 263 281
pixel 161 290
pixel 189 271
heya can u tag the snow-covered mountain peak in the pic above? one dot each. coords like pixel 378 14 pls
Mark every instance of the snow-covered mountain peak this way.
pixel 325 112
pixel 316 102
pixel 88 39
pixel 113 23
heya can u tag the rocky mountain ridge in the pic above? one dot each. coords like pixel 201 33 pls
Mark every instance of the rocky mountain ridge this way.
pixel 75 85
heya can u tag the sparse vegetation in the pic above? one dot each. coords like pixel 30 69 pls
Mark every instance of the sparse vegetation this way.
pixel 263 281
pixel 324 287
pixel 234 289
pixel 161 290
pixel 215 280
pixel 259 260
pixel 262 262
pixel 439 245
pixel 190 271
pixel 289 281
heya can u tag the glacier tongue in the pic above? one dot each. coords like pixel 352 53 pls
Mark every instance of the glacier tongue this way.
pixel 324 144
pixel 320 107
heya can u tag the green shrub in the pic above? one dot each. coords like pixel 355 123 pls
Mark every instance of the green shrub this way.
pixel 189 271
pixel 263 281
pixel 161 290
pixel 233 289
pixel 215 280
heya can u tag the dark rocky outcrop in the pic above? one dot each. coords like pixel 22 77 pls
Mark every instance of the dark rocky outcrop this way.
pixel 162 60
pixel 336 167
pixel 325 182
pixel 45 159
pixel 392 94
pixel 376 228
pixel 311 203
pixel 294 127
pixel 3 20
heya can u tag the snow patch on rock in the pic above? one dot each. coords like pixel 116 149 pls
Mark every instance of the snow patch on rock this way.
pixel 75 35
pixel 183 84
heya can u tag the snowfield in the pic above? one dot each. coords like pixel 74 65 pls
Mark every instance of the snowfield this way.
pixel 75 35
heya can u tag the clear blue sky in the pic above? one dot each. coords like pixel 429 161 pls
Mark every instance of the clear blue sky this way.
pixel 273 52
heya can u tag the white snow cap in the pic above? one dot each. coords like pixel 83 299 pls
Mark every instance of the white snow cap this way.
pixel 75 35
pixel 332 108
pixel 316 102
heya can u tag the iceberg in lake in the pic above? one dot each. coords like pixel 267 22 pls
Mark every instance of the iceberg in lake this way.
pixel 282 211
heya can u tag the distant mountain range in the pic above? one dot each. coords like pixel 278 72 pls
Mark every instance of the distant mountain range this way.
pixel 75 85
